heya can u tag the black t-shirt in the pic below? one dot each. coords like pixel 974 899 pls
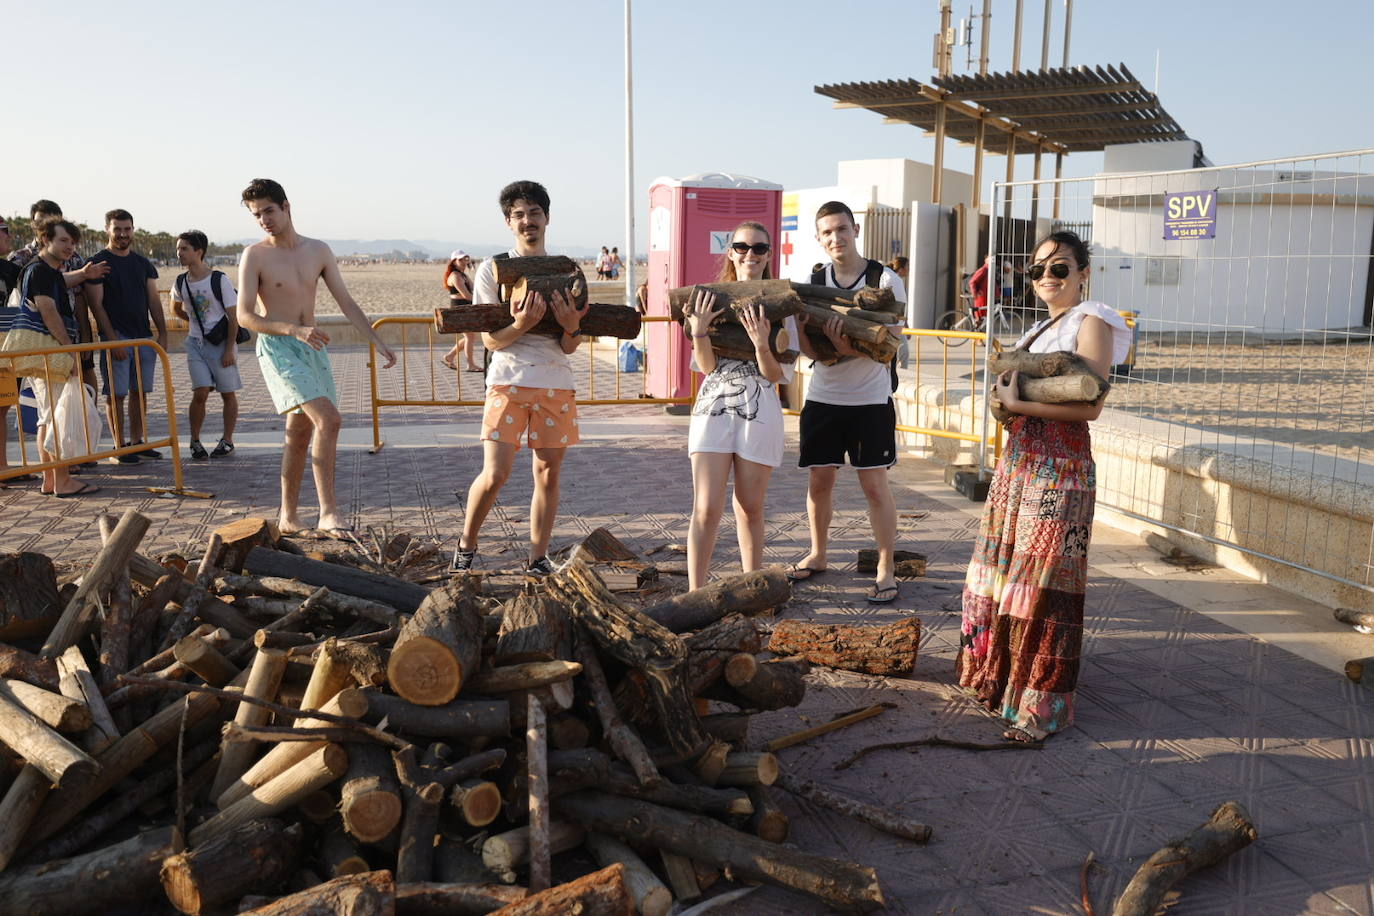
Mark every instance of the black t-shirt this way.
pixel 126 291
pixel 9 279
pixel 39 279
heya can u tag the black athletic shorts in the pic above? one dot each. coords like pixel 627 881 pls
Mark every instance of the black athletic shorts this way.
pixel 863 436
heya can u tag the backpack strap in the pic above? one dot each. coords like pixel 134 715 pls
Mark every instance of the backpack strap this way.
pixel 873 273
pixel 818 277
pixel 184 280
pixel 1049 324
pixel 217 286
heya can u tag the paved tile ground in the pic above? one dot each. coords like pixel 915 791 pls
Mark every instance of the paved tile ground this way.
pixel 1178 711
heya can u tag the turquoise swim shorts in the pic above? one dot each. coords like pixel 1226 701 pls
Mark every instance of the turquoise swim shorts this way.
pixel 295 372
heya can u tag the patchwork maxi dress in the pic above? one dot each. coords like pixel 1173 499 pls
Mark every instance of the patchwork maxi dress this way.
pixel 1023 597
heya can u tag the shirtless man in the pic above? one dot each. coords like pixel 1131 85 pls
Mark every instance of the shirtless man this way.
pixel 282 272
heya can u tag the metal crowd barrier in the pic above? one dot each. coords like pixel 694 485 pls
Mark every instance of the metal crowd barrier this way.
pixel 431 370
pixel 9 396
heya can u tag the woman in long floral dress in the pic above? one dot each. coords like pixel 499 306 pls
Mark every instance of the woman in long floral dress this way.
pixel 1023 598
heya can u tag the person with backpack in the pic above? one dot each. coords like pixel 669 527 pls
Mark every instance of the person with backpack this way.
pixel 849 416
pixel 206 300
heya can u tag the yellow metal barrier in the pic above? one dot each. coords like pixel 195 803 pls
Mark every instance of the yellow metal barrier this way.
pixel 433 366
pixel 168 441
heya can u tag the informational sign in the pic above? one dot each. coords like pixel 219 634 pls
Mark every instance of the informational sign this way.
pixel 1190 215
pixel 789 212
pixel 720 240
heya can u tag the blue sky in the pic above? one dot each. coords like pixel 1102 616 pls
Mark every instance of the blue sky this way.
pixel 403 119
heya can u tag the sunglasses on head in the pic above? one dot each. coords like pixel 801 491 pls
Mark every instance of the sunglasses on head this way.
pixel 758 248
pixel 1058 270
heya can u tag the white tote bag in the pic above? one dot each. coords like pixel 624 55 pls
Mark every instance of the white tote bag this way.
pixel 77 399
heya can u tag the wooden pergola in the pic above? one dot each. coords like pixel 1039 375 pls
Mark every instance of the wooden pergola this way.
pixel 1057 110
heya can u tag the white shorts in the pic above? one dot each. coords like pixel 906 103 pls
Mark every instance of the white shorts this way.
pixel 203 362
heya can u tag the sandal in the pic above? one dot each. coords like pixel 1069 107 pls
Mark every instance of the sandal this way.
pixel 882 594
pixel 802 573
pixel 1025 734
pixel 85 489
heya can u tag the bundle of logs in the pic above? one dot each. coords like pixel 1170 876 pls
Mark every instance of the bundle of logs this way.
pixel 866 316
pixel 546 275
pixel 1058 377
pixel 295 736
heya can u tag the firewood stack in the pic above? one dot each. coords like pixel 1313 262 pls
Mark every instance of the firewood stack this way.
pixel 546 275
pixel 297 736
pixel 1057 377
pixel 866 314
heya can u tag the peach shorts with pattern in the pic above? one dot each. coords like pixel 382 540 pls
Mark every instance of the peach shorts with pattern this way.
pixel 547 416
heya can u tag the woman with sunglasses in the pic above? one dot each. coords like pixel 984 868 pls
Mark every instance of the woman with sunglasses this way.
pixel 737 417
pixel 1023 597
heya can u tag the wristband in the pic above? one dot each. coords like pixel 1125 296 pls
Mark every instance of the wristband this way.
pixel 577 333
pixel 707 334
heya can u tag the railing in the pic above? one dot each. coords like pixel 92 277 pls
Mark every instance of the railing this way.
pixel 9 396
pixel 431 370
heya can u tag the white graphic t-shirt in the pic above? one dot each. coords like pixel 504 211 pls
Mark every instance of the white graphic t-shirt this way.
pixel 207 308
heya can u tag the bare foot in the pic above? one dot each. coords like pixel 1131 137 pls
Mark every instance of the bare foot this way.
pixel 333 521
pixel 450 358
pixel 288 526
pixel 1026 734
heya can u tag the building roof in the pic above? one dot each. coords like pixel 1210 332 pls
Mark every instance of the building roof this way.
pixel 1075 109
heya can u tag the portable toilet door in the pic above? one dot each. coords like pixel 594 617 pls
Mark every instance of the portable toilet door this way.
pixel 691 221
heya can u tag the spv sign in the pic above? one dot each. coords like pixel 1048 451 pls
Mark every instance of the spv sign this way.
pixel 1190 215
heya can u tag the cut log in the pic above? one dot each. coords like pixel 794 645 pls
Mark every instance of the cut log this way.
pixel 880 818
pixel 769 822
pixel 730 727
pixel 349 702
pixel 747 593
pixel 256 855
pixel 601 893
pixel 336 855
pixel 772 684
pixel 54 755
pixel 210 609
pixel 370 800
pixel 113 558
pixel 682 875
pixel 1228 830
pixel 239 537
pixel 264 677
pixel 477 801
pixel 439 647
pixel 711 647
pixel 537 789
pixel 638 641
pixel 1039 365
pixel 887 649
pixel 273 797
pixel 98 882
pixel 54 710
pixel 77 682
pixel 599 320
pixel 275 587
pixel 508 271
pixel 458 719
pixel 856 329
pixel 842 885
pixel 1062 389
pixel 419 824
pixel 526 676
pixel 746 769
pixel 398 593
pixel 1355 618
pixel 29 603
pixel 17 809
pixel 329 675
pixel 873 299
pixel 778 293
pixel 533 628
pixel 698 799
pixel 622 739
pixel 437 899
pixel 906 564
pixel 371 893
pixel 651 897
pixel 573 286
pixel 203 659
pixel 505 851
pixel 732 340
pixel 27 667
pixel 1356 668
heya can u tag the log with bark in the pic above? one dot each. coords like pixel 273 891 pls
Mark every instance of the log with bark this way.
pixel 264 677
pixel 370 798
pixel 77 616
pixel 55 710
pixel 733 341
pixel 1356 668
pixel 1228 830
pixel 239 537
pixel 768 822
pixel 505 851
pixel 316 771
pixel 58 759
pixel 651 897
pixel 25 666
pixel 1355 618
pixel 335 602
pixel 771 684
pixel 746 593
pixel 883 650
pixel 600 320
pixel 336 854
pixel 779 298
pixel 98 882
pixel 371 893
pixel 601 893
pixel 906 564
pixel 457 719
pixel 29 603
pixel 255 855
pixel 439 647
pixel 842 885
pixel 446 899
pixel 622 739
pixel 881 818
pixel 534 628
pixel 398 593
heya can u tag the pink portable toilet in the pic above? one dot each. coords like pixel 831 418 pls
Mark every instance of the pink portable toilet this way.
pixel 690 223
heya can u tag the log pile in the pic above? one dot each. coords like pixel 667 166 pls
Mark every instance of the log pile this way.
pixel 287 735
pixel 866 315
pixel 545 275
pixel 1058 377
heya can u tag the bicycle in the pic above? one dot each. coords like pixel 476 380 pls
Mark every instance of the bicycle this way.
pixel 1004 320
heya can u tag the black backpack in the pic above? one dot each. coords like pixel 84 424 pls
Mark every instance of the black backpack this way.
pixel 220 331
pixel 873 275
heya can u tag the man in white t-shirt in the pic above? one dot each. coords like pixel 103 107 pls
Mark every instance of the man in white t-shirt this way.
pixel 849 416
pixel 530 388
pixel 205 299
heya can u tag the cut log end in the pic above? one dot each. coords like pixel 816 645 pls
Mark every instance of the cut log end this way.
pixel 425 671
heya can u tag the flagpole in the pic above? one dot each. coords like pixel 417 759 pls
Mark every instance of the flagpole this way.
pixel 629 165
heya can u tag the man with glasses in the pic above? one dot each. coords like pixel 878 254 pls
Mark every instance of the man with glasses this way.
pixel 849 416
pixel 530 388
pixel 122 303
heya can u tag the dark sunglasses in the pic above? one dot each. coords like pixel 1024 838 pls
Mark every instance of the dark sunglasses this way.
pixel 759 248
pixel 1058 270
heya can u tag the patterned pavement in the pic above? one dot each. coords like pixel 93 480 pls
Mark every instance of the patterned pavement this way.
pixel 1177 711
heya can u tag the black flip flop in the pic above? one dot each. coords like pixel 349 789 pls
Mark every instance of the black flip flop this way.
pixel 86 490
pixel 794 573
pixel 880 595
